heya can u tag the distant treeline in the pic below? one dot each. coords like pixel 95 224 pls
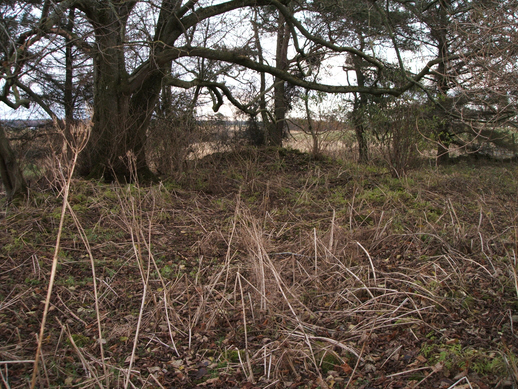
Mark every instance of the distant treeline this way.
pixel 20 124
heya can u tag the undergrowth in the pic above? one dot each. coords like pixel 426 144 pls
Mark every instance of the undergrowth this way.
pixel 267 269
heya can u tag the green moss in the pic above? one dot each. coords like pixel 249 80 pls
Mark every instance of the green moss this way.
pixel 455 358
pixel 32 281
pixel 231 356
pixel 167 271
pixel 364 220
pixel 80 340
pixel 329 360
pixel 79 208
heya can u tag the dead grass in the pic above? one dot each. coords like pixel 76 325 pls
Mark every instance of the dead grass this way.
pixel 267 269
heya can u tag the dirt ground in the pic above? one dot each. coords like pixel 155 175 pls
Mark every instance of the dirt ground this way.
pixel 267 269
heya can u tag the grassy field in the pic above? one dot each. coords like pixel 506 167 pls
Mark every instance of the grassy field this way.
pixel 266 269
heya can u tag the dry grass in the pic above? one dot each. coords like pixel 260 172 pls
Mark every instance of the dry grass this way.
pixel 267 269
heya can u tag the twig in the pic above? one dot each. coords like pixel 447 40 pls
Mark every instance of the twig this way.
pixel 332 233
pixel 409 371
pixel 5 379
pixel 337 344
pixel 370 260
pixel 53 271
pixel 250 375
pixel 86 243
pixel 356 365
pixel 316 252
pixel 455 383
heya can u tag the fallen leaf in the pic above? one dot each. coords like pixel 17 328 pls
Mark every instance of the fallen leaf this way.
pixel 210 381
pixel 320 382
pixel 201 373
pixel 346 368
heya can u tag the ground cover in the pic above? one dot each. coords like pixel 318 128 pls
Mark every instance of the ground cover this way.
pixel 267 269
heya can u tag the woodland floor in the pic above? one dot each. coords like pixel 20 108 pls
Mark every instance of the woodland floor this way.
pixel 267 270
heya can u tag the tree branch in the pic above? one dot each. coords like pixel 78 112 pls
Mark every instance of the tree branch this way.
pixel 214 87
pixel 338 49
pixel 239 59
pixel 37 99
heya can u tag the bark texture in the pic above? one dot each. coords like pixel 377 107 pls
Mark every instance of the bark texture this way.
pixel 281 63
pixel 12 176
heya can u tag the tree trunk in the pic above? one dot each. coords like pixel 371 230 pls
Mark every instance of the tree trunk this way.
pixel 262 99
pixel 69 85
pixel 123 109
pixel 10 171
pixel 315 149
pixel 360 104
pixel 440 33
pixel 363 149
pixel 281 62
pixel 116 150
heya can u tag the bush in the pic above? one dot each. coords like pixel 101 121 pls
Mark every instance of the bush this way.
pixel 172 134
pixel 398 129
